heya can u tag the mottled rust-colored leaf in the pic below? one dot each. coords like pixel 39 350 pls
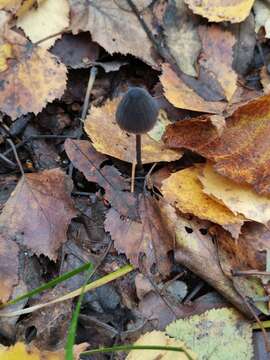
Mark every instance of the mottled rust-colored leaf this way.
pixel 9 263
pixel 39 211
pixel 145 243
pixel 242 152
pixel 85 158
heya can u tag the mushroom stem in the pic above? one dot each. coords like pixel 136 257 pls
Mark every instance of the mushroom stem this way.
pixel 138 152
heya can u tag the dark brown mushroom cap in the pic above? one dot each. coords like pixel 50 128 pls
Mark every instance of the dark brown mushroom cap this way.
pixel 137 111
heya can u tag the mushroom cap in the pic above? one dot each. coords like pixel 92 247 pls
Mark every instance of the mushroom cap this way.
pixel 137 111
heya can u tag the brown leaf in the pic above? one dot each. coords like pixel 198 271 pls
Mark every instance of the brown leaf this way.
pixel 145 243
pixel 123 33
pixel 39 211
pixel 9 264
pixel 182 96
pixel 33 77
pixel 220 10
pixel 85 158
pixel 217 56
pixel 242 153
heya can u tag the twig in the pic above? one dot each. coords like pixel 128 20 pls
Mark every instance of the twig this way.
pixel 16 156
pixel 9 162
pixel 92 77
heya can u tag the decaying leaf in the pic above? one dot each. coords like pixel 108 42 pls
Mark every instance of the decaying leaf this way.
pixel 241 153
pixel 184 190
pixel 211 334
pixel 145 243
pixel 196 250
pixel 9 263
pixel 29 352
pixel 124 34
pixel 240 199
pixel 160 339
pixel 85 158
pixel 262 16
pixel 182 37
pixel 32 79
pixel 182 96
pixel 109 139
pixel 221 10
pixel 39 211
pixel 50 17
pixel 217 56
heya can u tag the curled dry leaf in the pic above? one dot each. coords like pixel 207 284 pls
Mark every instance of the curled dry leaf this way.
pixel 50 17
pixel 109 139
pixel 9 263
pixel 219 10
pixel 146 243
pixel 240 199
pixel 39 211
pixel 241 153
pixel 33 77
pixel 85 158
pixel 217 56
pixel 184 190
pixel 124 33
pixel 182 96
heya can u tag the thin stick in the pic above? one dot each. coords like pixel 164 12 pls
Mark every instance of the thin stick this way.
pixel 9 162
pixel 138 152
pixel 92 77
pixel 16 156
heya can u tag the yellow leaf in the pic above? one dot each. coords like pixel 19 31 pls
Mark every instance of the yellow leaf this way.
pixel 159 338
pixel 184 190
pixel 109 139
pixel 239 198
pixel 221 10
pixel 49 18
pixel 5 54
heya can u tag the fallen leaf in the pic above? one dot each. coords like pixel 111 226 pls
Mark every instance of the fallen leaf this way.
pixel 9 264
pixel 88 161
pixel 39 211
pixel 217 56
pixel 33 78
pixel 211 334
pixel 146 243
pixel 182 96
pixel 49 18
pixel 184 191
pixel 108 138
pixel 196 250
pixel 240 199
pixel 265 80
pixel 124 33
pixel 159 338
pixel 262 14
pixel 29 352
pixel 242 152
pixel 219 10
pixel 182 37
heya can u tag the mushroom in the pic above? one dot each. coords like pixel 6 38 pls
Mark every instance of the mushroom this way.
pixel 137 114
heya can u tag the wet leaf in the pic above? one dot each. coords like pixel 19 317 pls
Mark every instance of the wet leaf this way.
pixel 33 77
pixel 217 56
pixel 183 96
pixel 124 34
pixel 221 10
pixel 212 333
pixel 39 211
pixel 146 243
pixel 184 190
pixel 241 153
pixel 85 158
pixel 108 138
pixel 49 18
